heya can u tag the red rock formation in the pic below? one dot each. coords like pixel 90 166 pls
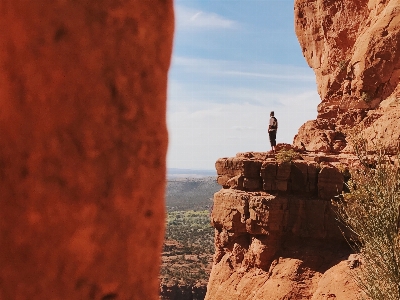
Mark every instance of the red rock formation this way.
pixel 354 49
pixel 82 148
pixel 281 240
pixel 276 235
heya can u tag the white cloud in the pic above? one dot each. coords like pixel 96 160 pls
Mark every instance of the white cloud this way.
pixel 300 77
pixel 217 108
pixel 201 132
pixel 240 128
pixel 190 18
pixel 241 69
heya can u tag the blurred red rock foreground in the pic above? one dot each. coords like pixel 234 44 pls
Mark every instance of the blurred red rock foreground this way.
pixel 82 147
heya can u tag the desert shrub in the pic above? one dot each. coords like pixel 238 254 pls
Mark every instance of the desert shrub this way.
pixel 366 97
pixel 343 64
pixel 371 211
pixel 345 170
pixel 287 155
pixel 192 229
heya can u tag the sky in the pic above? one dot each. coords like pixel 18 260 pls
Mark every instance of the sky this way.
pixel 233 62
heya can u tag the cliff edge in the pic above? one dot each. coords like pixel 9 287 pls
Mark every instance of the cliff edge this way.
pixel 276 235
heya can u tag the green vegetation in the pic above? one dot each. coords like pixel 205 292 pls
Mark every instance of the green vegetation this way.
pixel 371 211
pixel 344 169
pixel 343 64
pixel 192 229
pixel 191 193
pixel 366 97
pixel 190 260
pixel 189 237
pixel 287 155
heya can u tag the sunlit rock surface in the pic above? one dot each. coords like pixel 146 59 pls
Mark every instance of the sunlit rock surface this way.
pixel 354 50
pixel 280 239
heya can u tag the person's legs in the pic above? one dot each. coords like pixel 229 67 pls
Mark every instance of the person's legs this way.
pixel 272 139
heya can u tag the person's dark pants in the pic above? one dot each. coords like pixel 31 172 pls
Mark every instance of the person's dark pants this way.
pixel 272 138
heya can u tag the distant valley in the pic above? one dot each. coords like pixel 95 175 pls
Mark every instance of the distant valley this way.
pixel 189 237
pixel 190 189
pixel 189 173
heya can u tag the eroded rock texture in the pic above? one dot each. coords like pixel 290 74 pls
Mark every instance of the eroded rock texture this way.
pixel 82 147
pixel 279 238
pixel 354 49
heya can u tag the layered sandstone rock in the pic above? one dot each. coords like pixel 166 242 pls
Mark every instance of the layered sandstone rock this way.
pixel 354 49
pixel 313 174
pixel 279 240
pixel 82 148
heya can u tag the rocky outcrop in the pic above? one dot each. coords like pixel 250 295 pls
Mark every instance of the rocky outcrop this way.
pixel 278 238
pixel 82 148
pixel 276 233
pixel 313 174
pixel 354 49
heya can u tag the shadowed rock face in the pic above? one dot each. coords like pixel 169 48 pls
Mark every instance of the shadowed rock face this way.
pixel 82 148
pixel 354 49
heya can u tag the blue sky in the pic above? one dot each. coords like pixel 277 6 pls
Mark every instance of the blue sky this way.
pixel 233 62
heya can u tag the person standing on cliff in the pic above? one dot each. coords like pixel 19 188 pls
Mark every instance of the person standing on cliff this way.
pixel 272 129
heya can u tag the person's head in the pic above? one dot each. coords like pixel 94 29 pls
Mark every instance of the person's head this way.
pixel 272 114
